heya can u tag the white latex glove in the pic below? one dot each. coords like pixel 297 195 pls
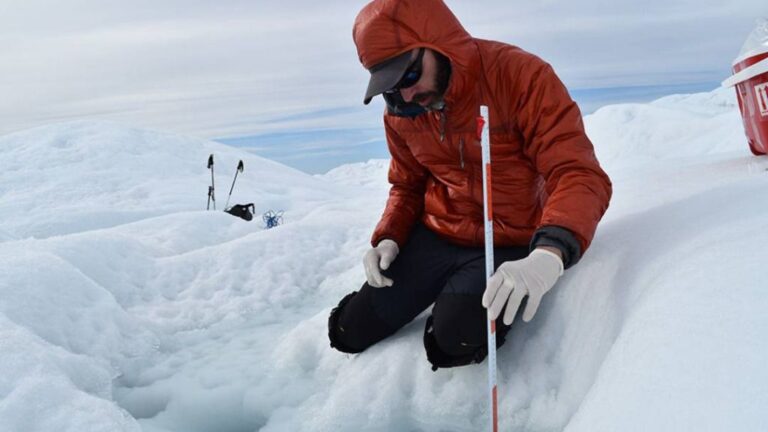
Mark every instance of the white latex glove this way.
pixel 377 259
pixel 532 276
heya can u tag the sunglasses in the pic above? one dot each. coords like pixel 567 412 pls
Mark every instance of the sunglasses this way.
pixel 411 76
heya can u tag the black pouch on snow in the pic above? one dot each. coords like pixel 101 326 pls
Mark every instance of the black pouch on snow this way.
pixel 243 211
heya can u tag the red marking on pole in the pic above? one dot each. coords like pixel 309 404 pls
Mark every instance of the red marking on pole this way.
pixel 495 411
pixel 480 124
pixel 488 190
pixel 493 326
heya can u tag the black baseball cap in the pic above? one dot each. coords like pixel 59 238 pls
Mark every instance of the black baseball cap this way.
pixel 386 75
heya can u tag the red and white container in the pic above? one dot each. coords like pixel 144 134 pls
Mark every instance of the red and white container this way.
pixel 750 77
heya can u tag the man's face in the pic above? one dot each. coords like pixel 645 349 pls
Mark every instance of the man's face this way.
pixel 425 92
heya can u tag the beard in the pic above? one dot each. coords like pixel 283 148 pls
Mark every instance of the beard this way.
pixel 442 79
pixel 433 99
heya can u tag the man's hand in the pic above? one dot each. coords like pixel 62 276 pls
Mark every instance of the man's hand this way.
pixel 377 259
pixel 532 276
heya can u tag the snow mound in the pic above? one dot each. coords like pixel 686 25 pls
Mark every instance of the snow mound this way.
pixel 135 309
pixel 676 126
pixel 84 175
pixel 365 174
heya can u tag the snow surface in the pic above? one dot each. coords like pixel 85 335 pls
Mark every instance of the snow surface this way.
pixel 125 306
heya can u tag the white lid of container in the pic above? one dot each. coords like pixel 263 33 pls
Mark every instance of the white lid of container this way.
pixel 756 69
pixel 756 43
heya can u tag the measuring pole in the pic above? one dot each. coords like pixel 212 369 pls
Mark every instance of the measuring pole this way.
pixel 483 126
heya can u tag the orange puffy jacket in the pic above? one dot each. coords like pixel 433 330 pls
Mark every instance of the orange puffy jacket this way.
pixel 544 169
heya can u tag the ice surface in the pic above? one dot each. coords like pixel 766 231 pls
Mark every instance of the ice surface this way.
pixel 125 306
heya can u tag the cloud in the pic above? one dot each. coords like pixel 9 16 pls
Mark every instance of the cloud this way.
pixel 241 67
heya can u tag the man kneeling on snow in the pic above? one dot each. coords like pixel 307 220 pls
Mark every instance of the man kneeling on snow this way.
pixel 549 191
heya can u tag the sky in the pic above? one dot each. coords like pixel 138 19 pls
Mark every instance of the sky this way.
pixel 269 76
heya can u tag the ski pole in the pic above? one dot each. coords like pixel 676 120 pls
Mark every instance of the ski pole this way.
pixel 211 188
pixel 238 170
pixel 483 126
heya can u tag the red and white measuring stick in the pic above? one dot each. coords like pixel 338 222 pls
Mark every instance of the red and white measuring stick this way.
pixel 483 127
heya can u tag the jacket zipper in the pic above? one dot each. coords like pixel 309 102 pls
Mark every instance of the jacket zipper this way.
pixel 443 121
pixel 443 127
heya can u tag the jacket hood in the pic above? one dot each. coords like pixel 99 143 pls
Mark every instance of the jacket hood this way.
pixel 386 28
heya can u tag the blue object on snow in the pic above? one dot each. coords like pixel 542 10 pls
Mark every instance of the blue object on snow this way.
pixel 273 219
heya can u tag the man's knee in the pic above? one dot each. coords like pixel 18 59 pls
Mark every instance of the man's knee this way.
pixel 459 324
pixel 353 326
pixel 456 333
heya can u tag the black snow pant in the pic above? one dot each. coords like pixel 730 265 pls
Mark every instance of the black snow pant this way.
pixel 427 270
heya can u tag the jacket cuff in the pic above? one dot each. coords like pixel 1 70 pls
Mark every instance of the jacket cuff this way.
pixel 560 238
pixel 375 241
pixel 377 237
